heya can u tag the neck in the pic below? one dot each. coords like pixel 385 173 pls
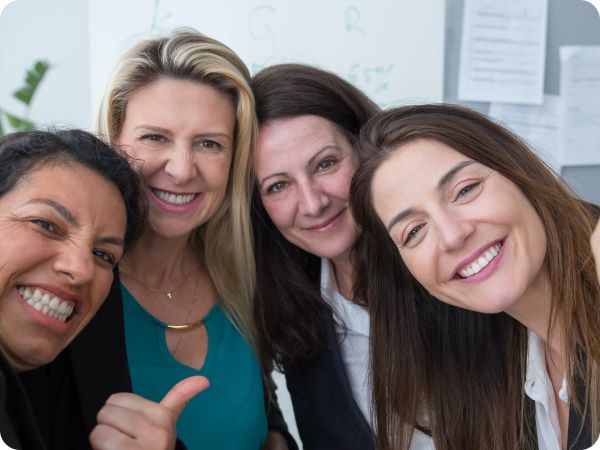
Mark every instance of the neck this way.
pixel 175 257
pixel 343 270
pixel 533 311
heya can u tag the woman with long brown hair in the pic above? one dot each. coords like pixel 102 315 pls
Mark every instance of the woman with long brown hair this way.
pixel 456 208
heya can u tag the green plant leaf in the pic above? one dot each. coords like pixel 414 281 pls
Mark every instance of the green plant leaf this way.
pixel 1 126
pixel 33 78
pixel 19 124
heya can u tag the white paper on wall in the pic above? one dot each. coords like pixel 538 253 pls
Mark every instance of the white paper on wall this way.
pixel 538 125
pixel 503 51
pixel 580 116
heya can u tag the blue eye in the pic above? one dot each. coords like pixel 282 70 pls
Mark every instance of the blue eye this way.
pixel 210 144
pixel 277 187
pixel 326 164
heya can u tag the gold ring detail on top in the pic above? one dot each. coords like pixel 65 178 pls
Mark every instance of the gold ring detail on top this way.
pixel 185 326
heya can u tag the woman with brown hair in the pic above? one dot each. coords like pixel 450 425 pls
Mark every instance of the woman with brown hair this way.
pixel 314 324
pixel 456 208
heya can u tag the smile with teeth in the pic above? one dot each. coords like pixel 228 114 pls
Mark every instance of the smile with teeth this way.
pixel 476 266
pixel 47 303
pixel 175 199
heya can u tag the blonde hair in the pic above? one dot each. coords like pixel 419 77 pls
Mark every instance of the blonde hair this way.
pixel 225 241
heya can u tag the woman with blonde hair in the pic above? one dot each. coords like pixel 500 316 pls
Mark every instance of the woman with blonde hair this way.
pixel 181 306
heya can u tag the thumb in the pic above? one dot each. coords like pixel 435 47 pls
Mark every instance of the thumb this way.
pixel 183 392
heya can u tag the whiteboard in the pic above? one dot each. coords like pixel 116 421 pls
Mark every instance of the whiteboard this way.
pixel 393 50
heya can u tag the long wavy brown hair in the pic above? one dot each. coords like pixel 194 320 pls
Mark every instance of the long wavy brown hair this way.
pixel 288 306
pixel 466 370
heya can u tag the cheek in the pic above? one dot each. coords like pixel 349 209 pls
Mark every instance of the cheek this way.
pixel 280 212
pixel 341 185
pixel 216 173
pixel 421 266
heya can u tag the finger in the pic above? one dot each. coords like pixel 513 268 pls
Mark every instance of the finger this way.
pixel 105 437
pixel 125 420
pixel 183 392
pixel 137 426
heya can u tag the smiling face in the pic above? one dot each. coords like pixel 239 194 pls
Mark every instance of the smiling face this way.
pixel 465 232
pixel 183 131
pixel 63 228
pixel 303 168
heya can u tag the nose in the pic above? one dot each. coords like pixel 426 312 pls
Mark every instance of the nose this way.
pixel 180 166
pixel 312 199
pixel 75 263
pixel 454 230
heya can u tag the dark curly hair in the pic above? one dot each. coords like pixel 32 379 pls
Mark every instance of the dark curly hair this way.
pixel 22 152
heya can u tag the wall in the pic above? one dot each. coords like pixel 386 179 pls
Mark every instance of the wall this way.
pixel 570 22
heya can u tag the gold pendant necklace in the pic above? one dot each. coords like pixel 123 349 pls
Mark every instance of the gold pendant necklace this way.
pixel 168 294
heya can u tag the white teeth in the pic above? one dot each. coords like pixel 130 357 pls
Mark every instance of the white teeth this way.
pixel 174 198
pixel 482 261
pixel 54 303
pixel 46 303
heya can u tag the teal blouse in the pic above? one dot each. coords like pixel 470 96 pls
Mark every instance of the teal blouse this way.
pixel 230 414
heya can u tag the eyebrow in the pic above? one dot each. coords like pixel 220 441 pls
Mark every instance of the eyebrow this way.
pixel 112 240
pixel 447 178
pixel 70 218
pixel 62 210
pixel 156 129
pixel 452 173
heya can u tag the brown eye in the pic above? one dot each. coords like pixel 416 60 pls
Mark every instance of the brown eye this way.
pixel 153 138
pixel 105 257
pixel 46 225
pixel 412 234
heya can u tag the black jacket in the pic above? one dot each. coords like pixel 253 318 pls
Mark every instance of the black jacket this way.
pixel 326 413
pixel 17 425
pixel 67 394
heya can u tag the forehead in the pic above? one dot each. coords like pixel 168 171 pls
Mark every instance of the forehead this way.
pixel 166 97
pixel 86 193
pixel 295 140
pixel 413 168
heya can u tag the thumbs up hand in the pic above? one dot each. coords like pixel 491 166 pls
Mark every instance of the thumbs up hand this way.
pixel 130 422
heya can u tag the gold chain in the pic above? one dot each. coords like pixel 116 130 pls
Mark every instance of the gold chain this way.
pixel 168 294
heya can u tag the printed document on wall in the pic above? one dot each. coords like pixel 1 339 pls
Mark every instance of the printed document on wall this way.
pixel 538 125
pixel 503 51
pixel 580 118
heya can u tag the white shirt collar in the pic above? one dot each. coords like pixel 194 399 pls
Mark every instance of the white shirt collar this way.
pixel 538 387
pixel 355 318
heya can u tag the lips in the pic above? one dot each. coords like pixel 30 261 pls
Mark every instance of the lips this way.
pixel 323 226
pixel 480 260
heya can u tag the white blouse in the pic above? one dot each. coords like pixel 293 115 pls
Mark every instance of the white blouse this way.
pixel 538 387
pixel 355 325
